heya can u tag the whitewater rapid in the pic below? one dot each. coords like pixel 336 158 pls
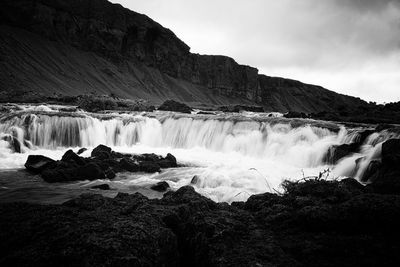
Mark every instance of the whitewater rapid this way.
pixel 232 158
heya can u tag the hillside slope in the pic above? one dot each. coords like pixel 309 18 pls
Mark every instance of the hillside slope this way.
pixel 80 46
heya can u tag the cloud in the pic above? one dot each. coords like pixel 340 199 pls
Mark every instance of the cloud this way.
pixel 350 46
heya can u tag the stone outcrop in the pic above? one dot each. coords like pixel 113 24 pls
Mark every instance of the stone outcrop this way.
pixel 103 163
pixel 315 223
pixel 80 46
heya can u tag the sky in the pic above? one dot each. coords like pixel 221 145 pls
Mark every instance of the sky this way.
pixel 348 46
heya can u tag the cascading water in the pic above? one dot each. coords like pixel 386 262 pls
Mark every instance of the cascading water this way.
pixel 231 158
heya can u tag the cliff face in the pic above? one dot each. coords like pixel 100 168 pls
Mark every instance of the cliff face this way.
pixel 77 46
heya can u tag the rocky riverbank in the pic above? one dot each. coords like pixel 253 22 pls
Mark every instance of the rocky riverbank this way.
pixel 314 223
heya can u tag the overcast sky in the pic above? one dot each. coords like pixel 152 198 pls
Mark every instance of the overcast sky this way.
pixel 349 46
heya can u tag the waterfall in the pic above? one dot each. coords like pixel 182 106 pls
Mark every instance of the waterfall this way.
pixel 302 145
pixel 233 156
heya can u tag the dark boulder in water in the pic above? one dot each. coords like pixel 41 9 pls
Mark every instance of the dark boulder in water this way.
pixel 384 176
pixel 195 179
pixel 71 156
pixel 160 186
pixel 62 172
pixel 80 151
pixel 104 164
pixel 338 152
pixel 171 105
pixel 101 152
pixel 149 166
pixel 101 187
pixel 38 163
pixel 15 144
pixel 129 165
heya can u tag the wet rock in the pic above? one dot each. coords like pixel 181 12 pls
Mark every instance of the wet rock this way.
pixel 71 156
pixel 195 179
pixel 371 171
pixel 101 152
pixel 129 165
pixel 101 187
pixel 148 166
pixel 239 108
pixel 38 163
pixel 171 158
pixel 384 176
pixel 64 173
pixel 15 144
pixel 338 152
pixel 81 150
pixel 160 186
pixel 109 173
pixel 171 105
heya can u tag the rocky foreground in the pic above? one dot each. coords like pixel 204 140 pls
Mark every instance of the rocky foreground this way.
pixel 315 223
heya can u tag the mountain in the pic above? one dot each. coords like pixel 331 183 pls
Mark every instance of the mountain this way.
pixel 73 47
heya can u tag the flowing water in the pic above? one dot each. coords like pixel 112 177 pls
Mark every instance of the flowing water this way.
pixel 233 155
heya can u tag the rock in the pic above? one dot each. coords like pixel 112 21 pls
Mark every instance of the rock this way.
pixel 71 156
pixel 101 152
pixel 371 171
pixel 15 144
pixel 338 152
pixel 129 165
pixel 81 150
pixel 171 158
pixel 239 108
pixel 391 153
pixel 38 163
pixel 297 228
pixel 384 176
pixel 148 166
pixel 101 187
pixel 160 186
pixel 294 114
pixel 90 171
pixel 195 179
pixel 110 174
pixel 171 105
pixel 65 173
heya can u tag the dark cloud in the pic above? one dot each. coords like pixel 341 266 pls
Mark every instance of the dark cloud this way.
pixel 368 5
pixel 351 46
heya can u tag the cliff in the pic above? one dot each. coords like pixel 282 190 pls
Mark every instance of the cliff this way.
pixel 80 46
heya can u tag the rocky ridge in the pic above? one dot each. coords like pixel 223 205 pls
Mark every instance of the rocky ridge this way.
pixel 73 47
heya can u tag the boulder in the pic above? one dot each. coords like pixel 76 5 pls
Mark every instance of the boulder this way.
pixel 391 153
pixel 38 163
pixel 337 152
pixel 15 144
pixel 129 165
pixel 384 176
pixel 195 179
pixel 101 152
pixel 160 186
pixel 171 105
pixel 80 151
pixel 65 173
pixel 171 158
pixel 148 166
pixel 110 174
pixel 90 171
pixel 71 156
